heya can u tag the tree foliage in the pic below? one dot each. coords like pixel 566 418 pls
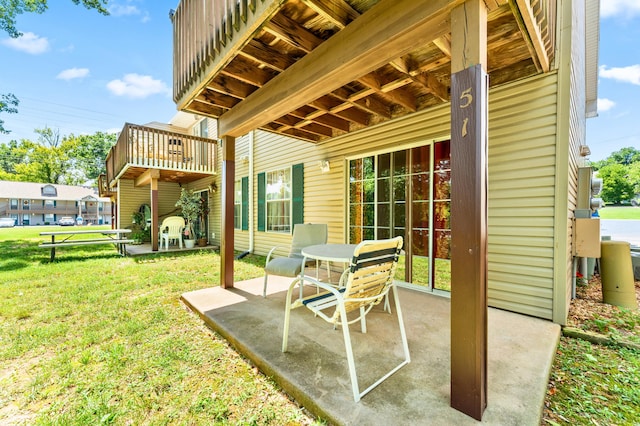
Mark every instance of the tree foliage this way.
pixel 8 104
pixel 69 160
pixel 620 174
pixel 615 185
pixel 10 9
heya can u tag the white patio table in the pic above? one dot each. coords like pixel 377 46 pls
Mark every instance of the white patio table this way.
pixel 341 253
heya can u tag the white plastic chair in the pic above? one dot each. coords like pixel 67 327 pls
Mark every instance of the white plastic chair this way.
pixel 304 235
pixel 171 229
pixel 366 282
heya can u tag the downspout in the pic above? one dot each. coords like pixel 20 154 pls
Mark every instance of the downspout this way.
pixel 251 230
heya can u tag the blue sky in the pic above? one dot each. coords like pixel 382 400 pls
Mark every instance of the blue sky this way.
pixel 80 72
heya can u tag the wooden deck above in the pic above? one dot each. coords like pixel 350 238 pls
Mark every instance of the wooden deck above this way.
pixel 316 69
pixel 178 157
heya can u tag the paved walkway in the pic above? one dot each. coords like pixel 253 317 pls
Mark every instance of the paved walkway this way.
pixel 314 371
pixel 621 230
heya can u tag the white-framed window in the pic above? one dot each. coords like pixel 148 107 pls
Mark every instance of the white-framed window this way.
pixel 237 205
pixel 14 204
pixel 202 129
pixel 48 218
pixel 278 200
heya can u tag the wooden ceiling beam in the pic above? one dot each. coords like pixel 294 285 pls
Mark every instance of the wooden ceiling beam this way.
pixel 434 86
pixel 302 134
pixel 218 99
pixel 266 56
pixel 231 86
pixel 390 29
pixel 333 121
pixel 444 44
pixel 323 118
pixel 246 71
pixel 341 109
pixel 293 33
pixel 391 91
pixel 355 115
pixel 205 109
pixel 363 100
pixel 338 12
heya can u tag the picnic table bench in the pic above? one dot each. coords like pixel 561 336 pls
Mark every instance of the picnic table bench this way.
pixel 110 236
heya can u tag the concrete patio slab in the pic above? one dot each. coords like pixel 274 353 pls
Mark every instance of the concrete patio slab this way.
pixel 314 370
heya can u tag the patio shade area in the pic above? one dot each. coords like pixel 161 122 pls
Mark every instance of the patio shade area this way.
pixel 314 370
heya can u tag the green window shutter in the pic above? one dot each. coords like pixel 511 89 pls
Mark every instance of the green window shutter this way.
pixel 245 203
pixel 262 191
pixel 297 193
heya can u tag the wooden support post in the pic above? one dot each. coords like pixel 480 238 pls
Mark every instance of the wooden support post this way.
pixel 469 119
pixel 154 214
pixel 226 240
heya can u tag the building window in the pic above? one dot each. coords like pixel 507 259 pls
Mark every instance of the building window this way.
pixel 14 204
pixel 49 204
pixel 49 219
pixel 237 205
pixel 202 129
pixel 278 200
pixel 49 190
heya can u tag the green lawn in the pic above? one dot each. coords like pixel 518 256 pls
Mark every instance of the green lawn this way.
pixel 619 212
pixel 95 338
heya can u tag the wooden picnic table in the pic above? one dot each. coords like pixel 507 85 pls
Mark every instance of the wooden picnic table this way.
pixel 110 236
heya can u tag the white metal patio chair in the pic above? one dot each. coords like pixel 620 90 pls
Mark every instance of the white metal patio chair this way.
pixel 366 282
pixel 304 235
pixel 171 229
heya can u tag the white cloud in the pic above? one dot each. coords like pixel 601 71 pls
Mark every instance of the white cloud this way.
pixel 28 42
pixel 619 8
pixel 123 10
pixel 605 104
pixel 73 73
pixel 630 74
pixel 137 86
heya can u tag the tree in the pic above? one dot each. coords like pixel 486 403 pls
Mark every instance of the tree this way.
pixel 634 176
pixel 615 184
pixel 42 164
pixel 10 9
pixel 88 152
pixel 8 104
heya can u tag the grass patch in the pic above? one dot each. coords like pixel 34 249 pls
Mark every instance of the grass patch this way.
pixel 593 384
pixel 620 212
pixel 95 338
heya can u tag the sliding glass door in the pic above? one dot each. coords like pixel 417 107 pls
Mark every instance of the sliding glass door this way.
pixel 407 193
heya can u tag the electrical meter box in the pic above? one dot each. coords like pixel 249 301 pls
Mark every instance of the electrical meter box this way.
pixel 586 238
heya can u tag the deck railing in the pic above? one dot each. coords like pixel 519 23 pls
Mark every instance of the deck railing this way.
pixel 545 12
pixel 140 146
pixel 103 186
pixel 201 28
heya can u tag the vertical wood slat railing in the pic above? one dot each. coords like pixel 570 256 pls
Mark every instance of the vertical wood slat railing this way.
pixel 142 146
pixel 545 12
pixel 200 28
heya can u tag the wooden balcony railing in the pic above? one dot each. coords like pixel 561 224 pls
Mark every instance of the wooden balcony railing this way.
pixel 201 28
pixel 140 146
pixel 104 190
